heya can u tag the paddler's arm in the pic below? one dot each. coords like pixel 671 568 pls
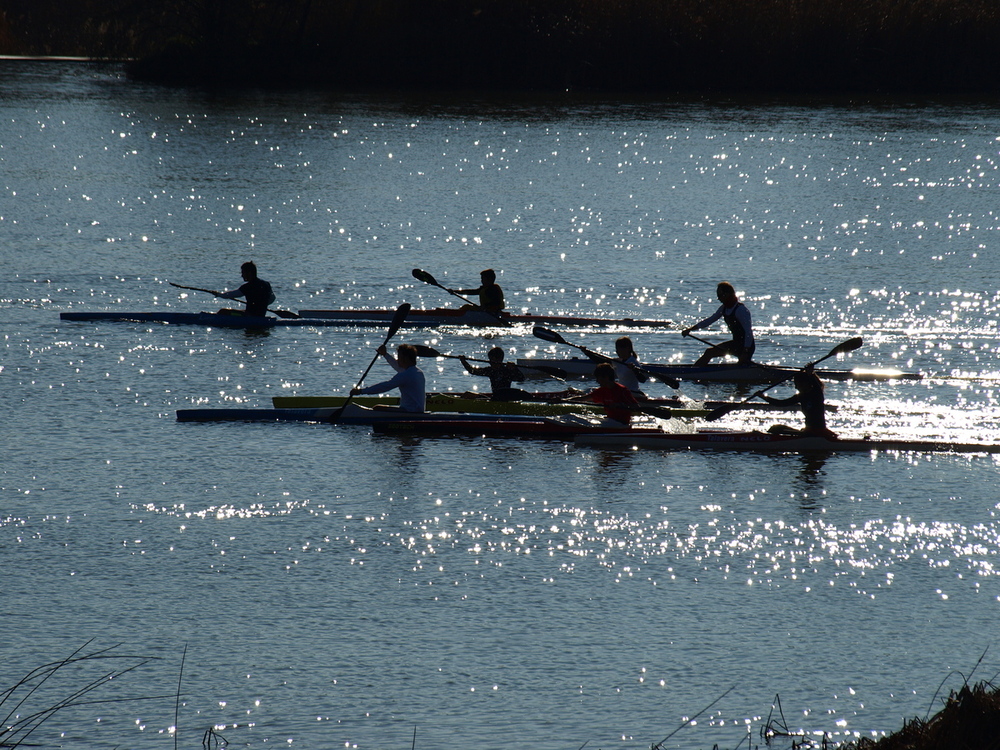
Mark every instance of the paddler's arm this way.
pixel 473 369
pixel 704 323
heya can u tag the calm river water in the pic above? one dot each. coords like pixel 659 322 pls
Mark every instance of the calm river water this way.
pixel 333 588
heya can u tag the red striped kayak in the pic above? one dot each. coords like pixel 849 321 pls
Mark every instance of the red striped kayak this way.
pixel 765 442
pixel 562 428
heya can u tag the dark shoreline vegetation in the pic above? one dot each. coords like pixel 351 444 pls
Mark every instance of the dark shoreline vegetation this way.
pixel 795 46
pixel 970 717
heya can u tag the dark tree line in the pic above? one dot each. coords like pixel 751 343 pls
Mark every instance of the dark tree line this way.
pixel 643 45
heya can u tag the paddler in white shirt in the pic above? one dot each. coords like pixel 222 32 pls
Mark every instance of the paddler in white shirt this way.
pixel 625 366
pixel 409 379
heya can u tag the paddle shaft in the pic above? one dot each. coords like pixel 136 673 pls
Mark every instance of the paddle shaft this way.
pixel 605 358
pixel 397 321
pixel 722 411
pixel 547 335
pixel 425 351
pixel 556 373
pixel 280 313
pixel 196 289
pixel 703 341
pixel 427 278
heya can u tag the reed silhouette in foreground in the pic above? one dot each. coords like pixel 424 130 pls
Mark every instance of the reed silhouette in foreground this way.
pixel 59 685
pixel 969 718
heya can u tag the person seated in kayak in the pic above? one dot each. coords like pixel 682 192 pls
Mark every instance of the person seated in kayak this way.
pixel 490 294
pixel 409 379
pixel 256 291
pixel 737 319
pixel 500 373
pixel 626 366
pixel 617 400
pixel 810 399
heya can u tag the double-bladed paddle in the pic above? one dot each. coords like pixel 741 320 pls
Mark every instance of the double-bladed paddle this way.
pixel 703 341
pixel 555 338
pixel 845 346
pixel 279 313
pixel 427 278
pixel 397 321
pixel 554 372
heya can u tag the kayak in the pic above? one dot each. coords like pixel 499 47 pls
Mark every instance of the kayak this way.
pixel 444 402
pixel 564 428
pixel 539 404
pixel 581 367
pixel 447 316
pixel 765 442
pixel 219 320
pixel 354 414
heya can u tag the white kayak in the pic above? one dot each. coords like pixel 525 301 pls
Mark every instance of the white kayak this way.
pixel 582 367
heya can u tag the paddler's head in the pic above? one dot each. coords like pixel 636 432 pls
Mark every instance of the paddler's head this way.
pixel 604 374
pixel 726 294
pixel 249 271
pixel 624 348
pixel 406 355
pixel 495 355
pixel 807 380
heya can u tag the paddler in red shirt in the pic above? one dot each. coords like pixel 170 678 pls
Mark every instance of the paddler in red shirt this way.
pixel 618 401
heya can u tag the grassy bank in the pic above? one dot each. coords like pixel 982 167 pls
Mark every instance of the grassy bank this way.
pixel 970 719
pixel 90 678
pixel 613 45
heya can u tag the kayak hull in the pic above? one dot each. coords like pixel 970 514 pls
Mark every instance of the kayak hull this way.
pixel 764 442
pixel 447 316
pixel 458 402
pixel 440 402
pixel 581 367
pixel 353 414
pixel 562 428
pixel 214 320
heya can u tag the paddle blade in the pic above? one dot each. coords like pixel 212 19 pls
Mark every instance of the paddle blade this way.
pixel 426 351
pixel 850 345
pixel 845 346
pixel 719 412
pixel 656 411
pixel 546 335
pixel 425 277
pixel 286 314
pixel 397 320
pixel 556 372
pixel 511 394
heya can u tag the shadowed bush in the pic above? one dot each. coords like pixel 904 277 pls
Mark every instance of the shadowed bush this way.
pixel 618 45
pixel 970 720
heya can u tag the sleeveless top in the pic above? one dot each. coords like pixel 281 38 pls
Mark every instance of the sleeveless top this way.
pixel 735 325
